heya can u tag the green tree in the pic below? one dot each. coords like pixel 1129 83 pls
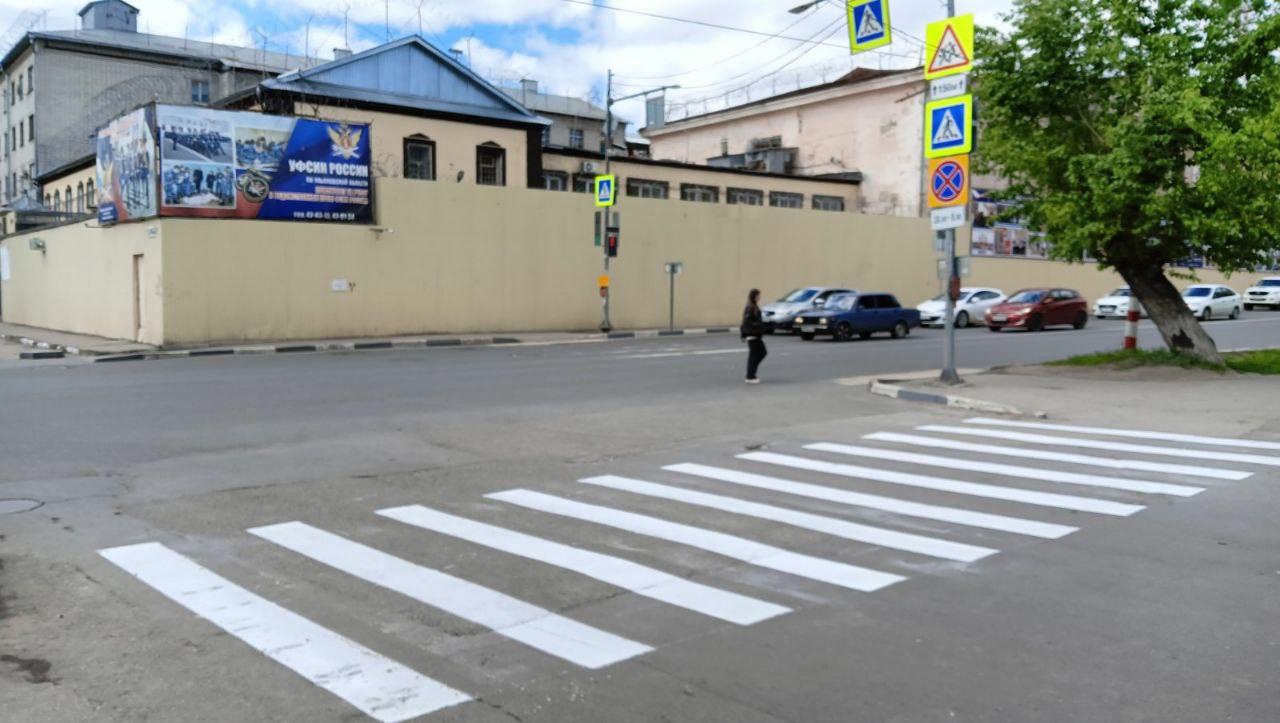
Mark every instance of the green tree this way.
pixel 1139 133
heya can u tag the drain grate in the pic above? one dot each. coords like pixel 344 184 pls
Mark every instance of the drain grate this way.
pixel 14 506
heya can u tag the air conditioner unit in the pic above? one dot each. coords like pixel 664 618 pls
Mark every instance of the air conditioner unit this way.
pixel 588 166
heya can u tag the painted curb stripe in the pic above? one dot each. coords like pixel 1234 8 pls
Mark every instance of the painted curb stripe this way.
pixel 1072 478
pixel 954 515
pixel 1133 433
pixel 379 687
pixel 738 548
pixel 505 615
pixel 995 492
pixel 878 536
pixel 615 571
pixel 1110 462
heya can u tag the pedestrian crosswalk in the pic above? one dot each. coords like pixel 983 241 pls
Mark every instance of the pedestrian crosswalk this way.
pixel 795 513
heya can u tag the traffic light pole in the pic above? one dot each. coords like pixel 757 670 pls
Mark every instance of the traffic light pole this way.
pixel 605 325
pixel 949 373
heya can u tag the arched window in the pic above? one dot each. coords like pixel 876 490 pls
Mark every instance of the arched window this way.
pixel 57 200
pixel 90 200
pixel 80 197
pixel 66 199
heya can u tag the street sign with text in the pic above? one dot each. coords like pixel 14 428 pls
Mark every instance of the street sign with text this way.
pixel 948 87
pixel 950 217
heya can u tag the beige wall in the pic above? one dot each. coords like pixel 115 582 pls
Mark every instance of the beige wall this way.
pixel 461 258
pixel 723 180
pixel 455 142
pixel 73 181
pixel 84 281
pixel 874 127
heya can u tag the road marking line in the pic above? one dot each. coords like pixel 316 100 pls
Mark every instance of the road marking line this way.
pixel 738 548
pixel 953 515
pixel 1071 478
pixel 505 615
pixel 1131 433
pixel 828 525
pixel 1011 494
pixel 615 571
pixel 1112 446
pixel 378 686
pixel 1111 462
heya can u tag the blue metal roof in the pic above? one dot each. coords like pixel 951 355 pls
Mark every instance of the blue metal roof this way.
pixel 409 73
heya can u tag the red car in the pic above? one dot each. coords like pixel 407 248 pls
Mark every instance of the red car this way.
pixel 1034 309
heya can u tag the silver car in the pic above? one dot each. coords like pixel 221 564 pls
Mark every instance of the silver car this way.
pixel 780 315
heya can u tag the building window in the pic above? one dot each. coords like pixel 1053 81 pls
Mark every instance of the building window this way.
pixel 576 139
pixel 31 127
pixel 420 158
pixel 555 180
pixel 546 136
pixel 19 87
pixel 57 201
pixel 199 91
pixel 828 203
pixel 491 165
pixel 22 133
pixel 79 198
pixel 583 183
pixel 699 193
pixel 67 198
pixel 642 188
pixel 744 196
pixel 90 200
pixel 782 199
pixel 31 78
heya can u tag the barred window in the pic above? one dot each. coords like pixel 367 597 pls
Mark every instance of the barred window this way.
pixel 420 158
pixel 744 196
pixel 491 165
pixel 828 203
pixel 699 193
pixel 643 188
pixel 783 199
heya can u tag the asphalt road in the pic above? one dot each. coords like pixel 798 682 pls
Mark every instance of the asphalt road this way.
pixel 929 602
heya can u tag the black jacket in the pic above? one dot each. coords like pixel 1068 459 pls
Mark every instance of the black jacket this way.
pixel 752 322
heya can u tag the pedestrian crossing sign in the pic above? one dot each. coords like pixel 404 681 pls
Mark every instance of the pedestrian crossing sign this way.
pixel 948 127
pixel 949 44
pixel 868 24
pixel 606 190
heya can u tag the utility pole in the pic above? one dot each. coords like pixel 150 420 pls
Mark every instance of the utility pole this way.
pixel 949 373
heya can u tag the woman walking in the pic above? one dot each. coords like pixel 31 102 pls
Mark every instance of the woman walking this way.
pixel 752 331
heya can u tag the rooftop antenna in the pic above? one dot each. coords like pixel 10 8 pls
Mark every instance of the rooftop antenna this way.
pixel 420 2
pixel 306 42
pixel 386 18
pixel 346 42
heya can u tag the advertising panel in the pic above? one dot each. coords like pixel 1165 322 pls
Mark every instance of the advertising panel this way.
pixel 235 164
pixel 126 183
pixel 998 232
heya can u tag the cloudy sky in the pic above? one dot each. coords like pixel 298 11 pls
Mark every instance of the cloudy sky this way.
pixel 567 45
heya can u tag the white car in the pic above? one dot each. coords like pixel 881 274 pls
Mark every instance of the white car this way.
pixel 1209 301
pixel 971 307
pixel 1116 304
pixel 781 314
pixel 1266 293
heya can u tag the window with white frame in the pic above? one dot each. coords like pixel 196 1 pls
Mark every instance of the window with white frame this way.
pixel 744 196
pixel 491 165
pixel 699 193
pixel 828 203
pixel 784 199
pixel 583 183
pixel 644 188
pixel 555 180
pixel 576 139
pixel 199 91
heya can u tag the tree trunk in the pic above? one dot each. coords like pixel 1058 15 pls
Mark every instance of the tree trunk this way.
pixel 1181 330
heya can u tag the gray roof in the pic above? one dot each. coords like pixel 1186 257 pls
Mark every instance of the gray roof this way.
pixel 556 104
pixel 228 55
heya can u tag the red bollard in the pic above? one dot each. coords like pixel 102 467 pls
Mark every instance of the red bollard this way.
pixel 1131 329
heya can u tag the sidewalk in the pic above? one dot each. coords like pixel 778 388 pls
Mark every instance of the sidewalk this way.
pixel 1175 400
pixel 103 349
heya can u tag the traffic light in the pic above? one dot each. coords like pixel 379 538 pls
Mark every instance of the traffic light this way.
pixel 611 241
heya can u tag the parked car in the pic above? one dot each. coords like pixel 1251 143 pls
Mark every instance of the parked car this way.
pixel 1265 293
pixel 1209 301
pixel 971 307
pixel 1035 309
pixel 1116 304
pixel 780 315
pixel 845 315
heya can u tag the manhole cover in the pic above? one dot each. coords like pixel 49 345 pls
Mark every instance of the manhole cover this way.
pixel 8 507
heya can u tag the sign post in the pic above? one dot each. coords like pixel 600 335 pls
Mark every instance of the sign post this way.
pixel 672 268
pixel 948 139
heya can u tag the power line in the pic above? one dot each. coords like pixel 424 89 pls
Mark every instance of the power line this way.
pixel 700 22
pixel 829 29
pixel 740 53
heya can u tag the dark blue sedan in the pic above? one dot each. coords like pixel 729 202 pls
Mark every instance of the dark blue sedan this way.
pixel 860 314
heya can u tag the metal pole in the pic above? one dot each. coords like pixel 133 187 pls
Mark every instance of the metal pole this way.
pixel 671 305
pixel 949 374
pixel 607 325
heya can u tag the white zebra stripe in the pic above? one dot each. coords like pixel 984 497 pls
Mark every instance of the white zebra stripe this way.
pixel 1132 434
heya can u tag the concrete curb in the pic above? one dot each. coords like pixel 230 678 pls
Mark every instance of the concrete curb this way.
pixel 893 391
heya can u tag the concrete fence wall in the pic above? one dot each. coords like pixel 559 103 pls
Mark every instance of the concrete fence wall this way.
pixel 450 257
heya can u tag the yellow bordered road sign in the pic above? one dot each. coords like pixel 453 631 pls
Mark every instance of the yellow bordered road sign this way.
pixel 868 24
pixel 606 189
pixel 948 127
pixel 948 181
pixel 948 47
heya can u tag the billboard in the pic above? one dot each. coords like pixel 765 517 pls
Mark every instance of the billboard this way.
pixel 998 232
pixel 126 183
pixel 236 164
